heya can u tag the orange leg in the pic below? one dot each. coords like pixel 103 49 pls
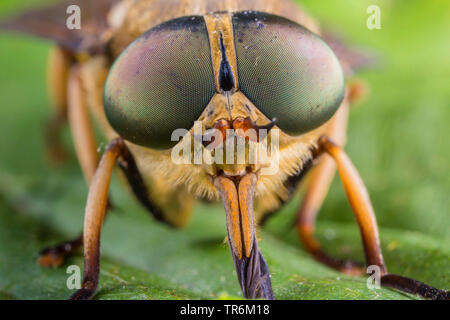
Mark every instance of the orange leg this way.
pixel 85 147
pixel 81 125
pixel 97 205
pixel 86 150
pixel 93 219
pixel 59 62
pixel 360 202
pixel 320 179
pixel 365 217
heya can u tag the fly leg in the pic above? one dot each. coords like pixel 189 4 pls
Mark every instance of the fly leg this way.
pixel 93 219
pixel 365 217
pixel 319 180
pixel 54 256
pixel 58 66
pixel 86 150
pixel 97 205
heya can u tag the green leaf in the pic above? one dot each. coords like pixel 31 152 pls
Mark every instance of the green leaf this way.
pixel 397 140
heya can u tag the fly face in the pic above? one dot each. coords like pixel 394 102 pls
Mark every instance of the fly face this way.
pixel 231 72
pixel 234 73
pixel 225 71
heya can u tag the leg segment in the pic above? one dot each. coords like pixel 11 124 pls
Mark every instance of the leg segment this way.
pixel 365 217
pixel 59 62
pixel 137 184
pixel 414 287
pixel 53 257
pixel 81 125
pixel 96 207
pixel 319 183
pixel 360 202
pixel 94 215
pixel 85 147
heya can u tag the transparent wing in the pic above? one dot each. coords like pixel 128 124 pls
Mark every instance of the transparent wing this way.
pixel 50 22
pixel 351 57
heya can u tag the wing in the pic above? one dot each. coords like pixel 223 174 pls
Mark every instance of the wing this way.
pixel 50 23
pixel 351 58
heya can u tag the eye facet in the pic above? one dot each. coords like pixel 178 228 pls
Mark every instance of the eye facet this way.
pixel 287 71
pixel 161 82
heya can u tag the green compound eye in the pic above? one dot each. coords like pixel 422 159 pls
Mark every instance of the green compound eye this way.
pixel 288 72
pixel 160 83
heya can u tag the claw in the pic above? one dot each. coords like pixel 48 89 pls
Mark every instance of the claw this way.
pixel 86 292
pixel 50 260
pixel 53 257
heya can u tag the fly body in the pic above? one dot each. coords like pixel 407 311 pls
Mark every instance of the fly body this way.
pixel 232 101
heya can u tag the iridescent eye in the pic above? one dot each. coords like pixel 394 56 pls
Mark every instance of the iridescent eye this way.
pixel 161 82
pixel 288 72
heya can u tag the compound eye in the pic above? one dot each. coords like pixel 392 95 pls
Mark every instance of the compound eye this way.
pixel 161 82
pixel 288 72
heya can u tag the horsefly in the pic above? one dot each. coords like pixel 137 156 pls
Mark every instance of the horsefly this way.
pixel 208 99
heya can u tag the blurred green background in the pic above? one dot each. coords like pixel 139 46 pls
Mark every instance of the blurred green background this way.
pixel 398 138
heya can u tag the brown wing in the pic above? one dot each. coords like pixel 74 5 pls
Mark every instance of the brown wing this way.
pixel 50 23
pixel 351 58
